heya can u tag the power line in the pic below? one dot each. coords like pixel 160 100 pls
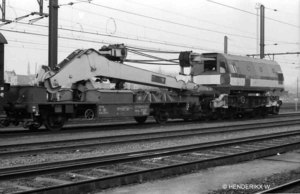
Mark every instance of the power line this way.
pixel 149 41
pixel 34 48
pixel 131 61
pixel 36 43
pixel 93 41
pixel 149 27
pixel 158 19
pixel 253 13
pixel 156 29
pixel 176 13
pixel 169 32
pixel 276 10
pixel 132 24
pixel 171 22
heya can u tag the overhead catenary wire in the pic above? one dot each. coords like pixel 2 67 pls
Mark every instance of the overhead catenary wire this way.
pixel 253 13
pixel 109 43
pixel 148 49
pixel 183 35
pixel 278 10
pixel 60 37
pixel 141 40
pixel 193 47
pixel 138 51
pixel 34 48
pixel 151 40
pixel 186 16
pixel 36 43
pixel 156 29
pixel 171 22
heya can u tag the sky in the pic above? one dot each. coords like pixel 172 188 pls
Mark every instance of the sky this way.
pixel 167 25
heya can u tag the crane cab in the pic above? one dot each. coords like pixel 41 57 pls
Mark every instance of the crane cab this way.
pixel 229 73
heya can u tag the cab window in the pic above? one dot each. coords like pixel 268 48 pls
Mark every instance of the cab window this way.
pixel 232 68
pixel 222 67
pixel 210 65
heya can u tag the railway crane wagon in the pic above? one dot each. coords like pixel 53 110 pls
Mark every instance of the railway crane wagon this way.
pixel 218 86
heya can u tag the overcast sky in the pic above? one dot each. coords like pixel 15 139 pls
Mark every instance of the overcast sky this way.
pixel 197 25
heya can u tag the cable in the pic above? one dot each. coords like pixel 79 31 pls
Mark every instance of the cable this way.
pixel 148 27
pixel 45 44
pixel 162 20
pixel 34 48
pixel 151 41
pixel 176 13
pixel 151 56
pixel 252 13
pixel 282 11
pixel 149 17
pixel 115 26
pixel 156 29
pixel 152 51
pixel 132 61
pixel 71 3
pixel 60 37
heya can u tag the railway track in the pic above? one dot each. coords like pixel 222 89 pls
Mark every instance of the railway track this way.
pixel 290 187
pixel 94 126
pixel 74 144
pixel 139 166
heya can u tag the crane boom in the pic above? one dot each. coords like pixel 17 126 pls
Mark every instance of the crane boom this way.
pixel 85 64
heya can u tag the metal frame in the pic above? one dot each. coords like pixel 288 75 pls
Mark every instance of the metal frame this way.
pixel 262 31
pixel 53 33
pixel 3 10
pixel 41 2
pixel 273 54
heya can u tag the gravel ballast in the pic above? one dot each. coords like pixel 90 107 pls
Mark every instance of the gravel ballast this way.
pixel 51 157
pixel 272 181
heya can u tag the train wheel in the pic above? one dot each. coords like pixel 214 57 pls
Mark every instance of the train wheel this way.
pixel 275 110
pixel 161 117
pixel 258 113
pixel 54 122
pixel 16 123
pixel 34 127
pixel 231 115
pixel 214 116
pixel 140 120
pixel 89 114
pixel 248 115
pixel 201 118
pixel 264 112
pixel 5 123
pixel 221 116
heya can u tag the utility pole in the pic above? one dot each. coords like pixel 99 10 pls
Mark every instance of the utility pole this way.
pixel 262 31
pixel 53 33
pixel 299 49
pixel 257 6
pixel 3 86
pixel 296 100
pixel 225 44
